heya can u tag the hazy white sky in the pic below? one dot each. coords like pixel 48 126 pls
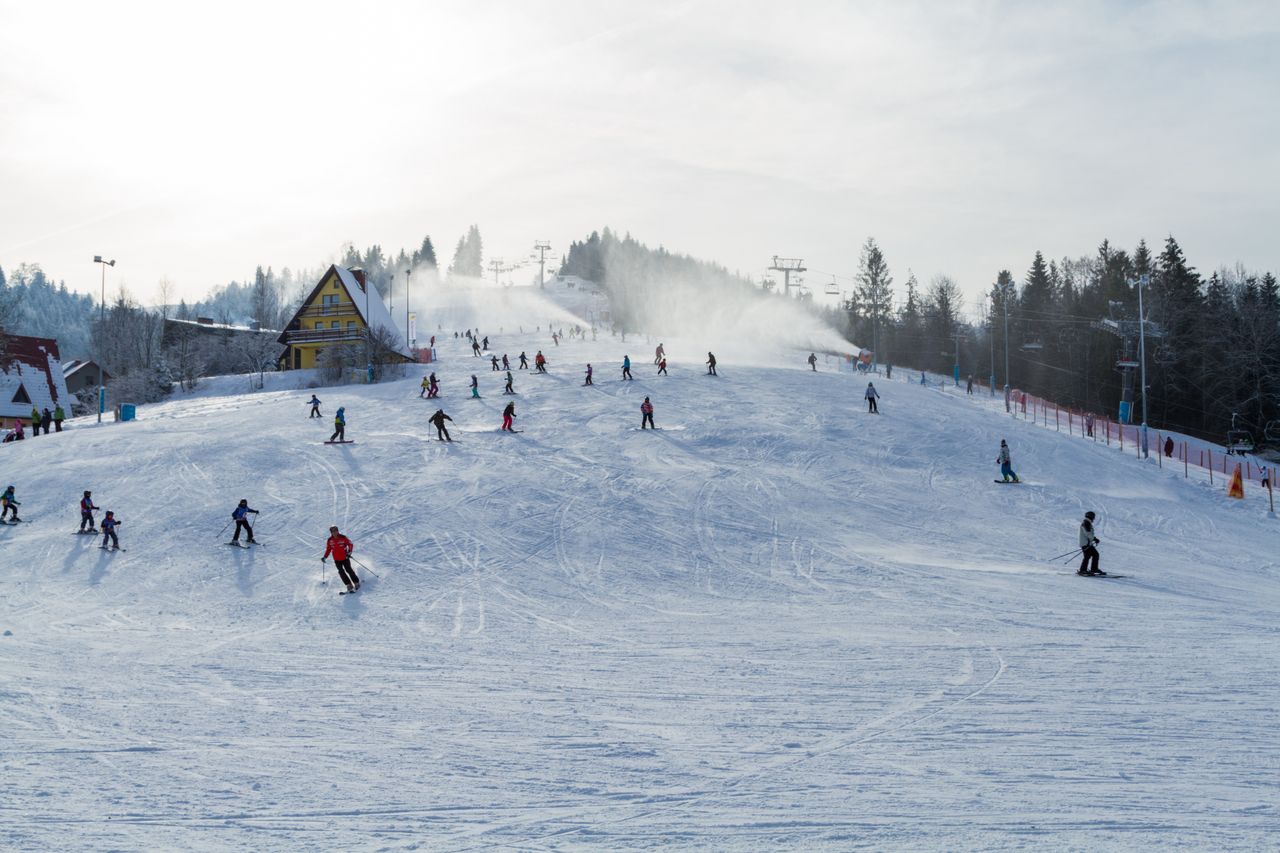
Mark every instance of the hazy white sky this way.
pixel 196 141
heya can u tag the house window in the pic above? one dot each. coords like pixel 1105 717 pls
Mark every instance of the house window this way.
pixel 351 325
pixel 320 325
pixel 335 284
pixel 335 325
pixel 21 396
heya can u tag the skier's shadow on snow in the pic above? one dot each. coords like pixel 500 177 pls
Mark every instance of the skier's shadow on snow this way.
pixel 100 570
pixel 244 570
pixel 76 554
pixel 350 458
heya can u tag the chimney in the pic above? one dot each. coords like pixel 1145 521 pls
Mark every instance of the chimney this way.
pixel 359 274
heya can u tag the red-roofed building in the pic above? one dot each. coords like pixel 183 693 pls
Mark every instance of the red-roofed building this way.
pixel 30 377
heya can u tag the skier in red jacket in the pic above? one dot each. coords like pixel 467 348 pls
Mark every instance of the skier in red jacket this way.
pixel 341 548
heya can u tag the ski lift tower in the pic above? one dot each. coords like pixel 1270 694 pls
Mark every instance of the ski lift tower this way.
pixel 1132 335
pixel 787 266
pixel 498 266
pixel 542 247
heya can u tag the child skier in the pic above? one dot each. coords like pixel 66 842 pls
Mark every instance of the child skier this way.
pixel 10 505
pixel 437 420
pixel 475 387
pixel 626 367
pixel 339 425
pixel 87 510
pixel 524 361
pixel 240 514
pixel 1088 545
pixel 510 389
pixel 1006 467
pixel 493 364
pixel 588 380
pixel 646 414
pixel 341 548
pixel 314 402
pixel 662 367
pixel 506 363
pixel 872 395
pixel 540 362
pixel 507 414
pixel 434 390
pixel 109 525
pixel 426 386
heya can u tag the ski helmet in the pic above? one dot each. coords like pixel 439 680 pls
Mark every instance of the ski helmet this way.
pixel 244 502
pixel 87 493
pixel 1089 515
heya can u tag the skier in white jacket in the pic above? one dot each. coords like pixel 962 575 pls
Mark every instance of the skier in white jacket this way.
pixel 1088 543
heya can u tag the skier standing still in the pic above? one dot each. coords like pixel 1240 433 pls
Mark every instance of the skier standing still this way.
pixel 340 547
pixel 109 525
pixel 240 514
pixel 87 510
pixel 646 414
pixel 588 379
pixel 524 361
pixel 1088 543
pixel 872 395
pixel 1006 465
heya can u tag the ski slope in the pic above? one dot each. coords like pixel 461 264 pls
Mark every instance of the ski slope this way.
pixel 778 622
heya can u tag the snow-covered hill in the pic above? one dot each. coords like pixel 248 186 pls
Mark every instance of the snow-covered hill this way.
pixel 777 622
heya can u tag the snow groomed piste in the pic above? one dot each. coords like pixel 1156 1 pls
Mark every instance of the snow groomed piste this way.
pixel 773 623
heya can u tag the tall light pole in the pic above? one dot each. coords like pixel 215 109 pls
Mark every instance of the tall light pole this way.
pixel 1143 281
pixel 102 330
pixel 1004 297
pixel 991 339
pixel 407 273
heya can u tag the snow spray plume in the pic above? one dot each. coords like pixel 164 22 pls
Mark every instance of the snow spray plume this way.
pixel 454 303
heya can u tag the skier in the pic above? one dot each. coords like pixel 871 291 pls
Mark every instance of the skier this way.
pixel 10 505
pixel 626 367
pixel 1088 543
pixel 968 388
pixel 711 365
pixel 922 379
pixel 240 514
pixel 340 547
pixel 1006 467
pixel 1088 422
pixel 485 345
pixel 510 389
pixel 662 367
pixel 426 386
pixel 493 364
pixel 475 348
pixel 437 420
pixel 475 387
pixel 339 425
pixel 507 414
pixel 86 513
pixel 506 363
pixel 434 390
pixel 58 417
pixel 540 362
pixel 524 361
pixel 659 354
pixel 588 382
pixel 109 525
pixel 813 361
pixel 314 402
pixel 872 395
pixel 646 414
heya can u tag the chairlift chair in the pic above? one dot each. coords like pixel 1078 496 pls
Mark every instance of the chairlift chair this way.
pixel 1239 441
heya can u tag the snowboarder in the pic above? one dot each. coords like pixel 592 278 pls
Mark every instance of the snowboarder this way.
pixel 968 387
pixel 314 402
pixel 58 417
pixel 46 419
pixel 437 420
pixel 341 548
pixel 240 514
pixel 1088 543
pixel 510 389
pixel 1168 448
pixel 659 354
pixel 711 365
pixel 426 386
pixel 10 505
pixel 493 364
pixel 339 425
pixel 588 380
pixel 1006 466
pixel 87 510
pixel 646 414
pixel 540 362
pixel 813 361
pixel 872 395
pixel 507 414
pixel 524 361
pixel 475 387
pixel 109 525
pixel 626 367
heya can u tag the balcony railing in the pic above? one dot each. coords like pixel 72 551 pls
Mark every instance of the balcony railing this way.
pixel 312 336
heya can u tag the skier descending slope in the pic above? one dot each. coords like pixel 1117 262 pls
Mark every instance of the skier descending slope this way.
pixel 588 379
pixel 475 387
pixel 10 505
pixel 507 414
pixel 872 395
pixel 1006 465
pixel 109 525
pixel 626 367
pixel 1088 545
pixel 510 386
pixel 87 510
pixel 314 402
pixel 711 364
pixel 646 414
pixel 241 516
pixel 437 420
pixel 340 547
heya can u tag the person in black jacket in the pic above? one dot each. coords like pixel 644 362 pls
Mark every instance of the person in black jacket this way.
pixel 438 420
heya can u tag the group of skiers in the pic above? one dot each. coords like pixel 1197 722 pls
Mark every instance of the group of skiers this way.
pixel 40 420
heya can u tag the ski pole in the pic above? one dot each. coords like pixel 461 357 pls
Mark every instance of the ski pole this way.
pixel 323 565
pixel 366 568
pixel 224 528
pixel 1068 554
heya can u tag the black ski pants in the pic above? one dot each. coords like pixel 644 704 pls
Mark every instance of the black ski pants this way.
pixel 626 373
pixel 647 418
pixel 339 434
pixel 1089 563
pixel 86 520
pixel 110 534
pixel 242 523
pixel 347 573
pixel 442 433
pixel 315 411
pixel 871 405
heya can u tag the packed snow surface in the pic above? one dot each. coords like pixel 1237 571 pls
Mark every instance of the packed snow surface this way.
pixel 776 622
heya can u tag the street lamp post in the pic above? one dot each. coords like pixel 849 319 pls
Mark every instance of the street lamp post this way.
pixel 991 339
pixel 102 330
pixel 407 344
pixel 1143 281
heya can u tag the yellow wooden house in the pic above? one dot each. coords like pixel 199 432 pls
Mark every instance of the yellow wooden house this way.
pixel 338 311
